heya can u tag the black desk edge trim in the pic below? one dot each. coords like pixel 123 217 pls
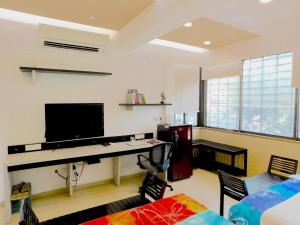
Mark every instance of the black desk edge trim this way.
pixel 76 159
pixel 16 149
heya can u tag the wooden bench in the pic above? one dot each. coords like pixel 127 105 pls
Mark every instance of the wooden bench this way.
pixel 152 186
pixel 205 156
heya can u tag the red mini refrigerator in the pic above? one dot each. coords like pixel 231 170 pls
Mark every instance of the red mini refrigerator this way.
pixel 181 161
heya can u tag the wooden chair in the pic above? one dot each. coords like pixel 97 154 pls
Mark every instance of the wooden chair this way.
pixel 279 169
pixel 152 186
pixel 232 187
pixel 282 166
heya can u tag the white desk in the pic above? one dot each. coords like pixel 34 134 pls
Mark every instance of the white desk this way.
pixel 37 159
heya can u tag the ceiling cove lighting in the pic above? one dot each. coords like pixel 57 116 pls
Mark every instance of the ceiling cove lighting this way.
pixel 35 20
pixel 265 1
pixel 207 42
pixel 176 45
pixel 188 24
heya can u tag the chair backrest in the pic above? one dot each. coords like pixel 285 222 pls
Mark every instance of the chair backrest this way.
pixel 232 186
pixel 153 186
pixel 160 156
pixel 27 216
pixel 282 166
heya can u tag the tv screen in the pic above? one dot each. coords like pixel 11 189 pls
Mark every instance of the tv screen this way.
pixel 74 121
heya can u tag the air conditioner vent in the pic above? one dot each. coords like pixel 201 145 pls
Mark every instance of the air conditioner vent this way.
pixel 70 46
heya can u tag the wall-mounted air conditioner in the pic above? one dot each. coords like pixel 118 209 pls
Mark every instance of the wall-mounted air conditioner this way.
pixel 63 38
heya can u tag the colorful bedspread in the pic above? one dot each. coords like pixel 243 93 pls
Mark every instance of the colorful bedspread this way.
pixel 179 209
pixel 277 205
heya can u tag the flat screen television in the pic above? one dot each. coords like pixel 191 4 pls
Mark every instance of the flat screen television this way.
pixel 74 121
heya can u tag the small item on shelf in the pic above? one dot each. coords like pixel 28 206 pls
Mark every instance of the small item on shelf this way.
pixel 131 97
pixel 163 98
pixel 141 99
pixel 144 99
pixel 134 97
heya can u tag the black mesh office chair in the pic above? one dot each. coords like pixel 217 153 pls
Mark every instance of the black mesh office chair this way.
pixel 232 187
pixel 159 159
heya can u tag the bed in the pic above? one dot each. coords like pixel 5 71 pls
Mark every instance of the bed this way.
pixel 276 205
pixel 178 209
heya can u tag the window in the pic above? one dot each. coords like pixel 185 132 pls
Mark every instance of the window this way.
pixel 179 118
pixel 186 118
pixel 268 100
pixel 191 118
pixel 222 102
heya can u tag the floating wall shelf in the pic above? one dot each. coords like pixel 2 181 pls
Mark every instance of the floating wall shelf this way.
pixel 51 70
pixel 149 104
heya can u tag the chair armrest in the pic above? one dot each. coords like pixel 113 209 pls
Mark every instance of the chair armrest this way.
pixel 142 156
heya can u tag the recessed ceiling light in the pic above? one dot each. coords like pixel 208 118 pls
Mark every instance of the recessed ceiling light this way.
pixel 92 17
pixel 265 1
pixel 207 42
pixel 188 24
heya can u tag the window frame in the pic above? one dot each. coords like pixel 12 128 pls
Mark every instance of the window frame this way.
pixel 205 111
pixel 203 105
pixel 184 119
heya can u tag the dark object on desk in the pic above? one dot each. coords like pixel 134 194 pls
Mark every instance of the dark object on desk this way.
pixel 94 160
pixel 152 186
pixel 232 187
pixel 158 161
pixel 279 170
pixel 181 160
pixel 205 157
pixel 105 144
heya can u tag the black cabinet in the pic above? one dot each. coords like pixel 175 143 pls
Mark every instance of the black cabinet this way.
pixel 231 159
pixel 181 161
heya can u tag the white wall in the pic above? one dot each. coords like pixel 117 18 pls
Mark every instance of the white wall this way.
pixel 22 101
pixel 182 89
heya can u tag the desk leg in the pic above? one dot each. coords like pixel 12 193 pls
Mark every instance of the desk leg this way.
pixel 70 179
pixel 116 169
pixel 8 182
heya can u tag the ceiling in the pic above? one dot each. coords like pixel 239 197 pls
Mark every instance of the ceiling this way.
pixel 112 14
pixel 224 23
pixel 205 29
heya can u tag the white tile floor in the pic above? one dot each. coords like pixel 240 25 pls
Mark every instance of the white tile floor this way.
pixel 202 186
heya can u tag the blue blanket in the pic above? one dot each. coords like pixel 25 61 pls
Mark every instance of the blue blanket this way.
pixel 207 217
pixel 250 210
